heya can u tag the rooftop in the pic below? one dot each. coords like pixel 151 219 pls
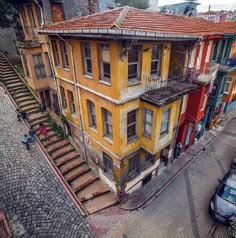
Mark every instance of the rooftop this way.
pixel 136 22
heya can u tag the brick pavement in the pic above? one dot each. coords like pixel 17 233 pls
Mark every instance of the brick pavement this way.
pixel 33 199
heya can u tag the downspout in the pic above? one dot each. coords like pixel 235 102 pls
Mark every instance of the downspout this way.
pixel 41 12
pixel 50 59
pixel 77 95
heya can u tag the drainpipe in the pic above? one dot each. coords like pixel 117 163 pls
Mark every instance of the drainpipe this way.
pixel 77 95
pixel 41 12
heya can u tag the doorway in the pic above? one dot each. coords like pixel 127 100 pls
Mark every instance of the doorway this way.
pixel 147 179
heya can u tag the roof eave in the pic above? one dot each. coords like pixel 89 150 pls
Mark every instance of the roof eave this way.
pixel 116 32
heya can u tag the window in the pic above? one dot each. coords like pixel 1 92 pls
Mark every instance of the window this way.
pixel 214 55
pixel 131 125
pixel 147 121
pixel 134 166
pixel 55 53
pixel 226 48
pixel 107 164
pixel 227 84
pixel 214 88
pixel 149 160
pixel 49 65
pixel 56 107
pixel 71 102
pixel 31 17
pixel 57 12
pixel 92 115
pixel 64 55
pixel 39 66
pixel 63 98
pixel 25 62
pixel 165 121
pixel 134 64
pixel 107 118
pixel 155 65
pixel 204 100
pixel 105 63
pixel 184 104
pixel 87 59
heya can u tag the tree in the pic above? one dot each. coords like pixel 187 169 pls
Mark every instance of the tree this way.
pixel 8 14
pixel 142 4
pixel 232 230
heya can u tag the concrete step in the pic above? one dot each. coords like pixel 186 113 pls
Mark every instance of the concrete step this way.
pixel 96 188
pixel 82 181
pixel 38 121
pixel 78 171
pixel 29 108
pixel 67 158
pixel 66 167
pixel 9 78
pixel 101 202
pixel 52 140
pixel 59 153
pixel 94 195
pixel 51 133
pixel 20 95
pixel 16 89
pixel 16 85
pixel 37 116
pixel 57 146
pixel 24 99
pixel 15 81
pixel 28 103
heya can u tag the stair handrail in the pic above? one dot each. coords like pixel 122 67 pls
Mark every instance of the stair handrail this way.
pixel 32 92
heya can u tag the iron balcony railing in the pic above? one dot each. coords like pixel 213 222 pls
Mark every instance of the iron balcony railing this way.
pixel 152 84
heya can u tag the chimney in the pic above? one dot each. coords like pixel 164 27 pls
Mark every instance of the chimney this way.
pixel 209 8
pixel 93 6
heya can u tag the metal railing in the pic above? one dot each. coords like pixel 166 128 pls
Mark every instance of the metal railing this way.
pixel 152 84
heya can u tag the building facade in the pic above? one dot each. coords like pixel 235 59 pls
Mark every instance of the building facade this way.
pixel 121 95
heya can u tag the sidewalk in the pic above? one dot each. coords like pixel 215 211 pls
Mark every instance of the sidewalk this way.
pixel 151 190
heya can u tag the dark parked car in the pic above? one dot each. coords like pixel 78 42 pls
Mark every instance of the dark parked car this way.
pixel 222 205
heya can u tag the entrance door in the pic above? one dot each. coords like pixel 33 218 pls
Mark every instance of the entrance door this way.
pixel 41 95
pixel 163 160
pixel 47 98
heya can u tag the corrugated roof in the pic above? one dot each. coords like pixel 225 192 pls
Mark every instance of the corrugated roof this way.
pixel 132 19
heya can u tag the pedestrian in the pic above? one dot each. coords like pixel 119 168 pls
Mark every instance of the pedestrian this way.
pixel 21 114
pixel 32 134
pixel 43 131
pixel 25 140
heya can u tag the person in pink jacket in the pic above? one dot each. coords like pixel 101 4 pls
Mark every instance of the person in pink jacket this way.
pixel 43 131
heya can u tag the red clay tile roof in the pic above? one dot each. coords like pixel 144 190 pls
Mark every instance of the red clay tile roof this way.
pixel 142 21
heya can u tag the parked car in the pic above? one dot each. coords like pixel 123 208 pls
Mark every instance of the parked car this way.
pixel 222 206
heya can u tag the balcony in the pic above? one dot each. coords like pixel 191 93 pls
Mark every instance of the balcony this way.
pixel 205 75
pixel 159 92
pixel 30 38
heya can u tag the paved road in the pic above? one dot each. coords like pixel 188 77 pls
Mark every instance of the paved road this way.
pixel 182 209
pixel 34 200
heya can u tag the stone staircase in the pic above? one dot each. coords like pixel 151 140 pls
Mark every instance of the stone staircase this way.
pixel 92 193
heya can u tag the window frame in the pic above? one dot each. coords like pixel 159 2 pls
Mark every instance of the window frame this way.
pixel 145 122
pixel 107 124
pixel 107 165
pixel 63 98
pixel 227 83
pixel 40 66
pixel 149 160
pixel 104 78
pixel 65 57
pixel 204 99
pixel 92 114
pixel 71 102
pixel 131 137
pixel 137 63
pixel 56 55
pixel 134 166
pixel 25 62
pixel 165 120
pixel 87 48
pixel 157 74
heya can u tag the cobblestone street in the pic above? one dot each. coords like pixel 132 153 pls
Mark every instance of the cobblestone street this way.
pixel 182 209
pixel 33 199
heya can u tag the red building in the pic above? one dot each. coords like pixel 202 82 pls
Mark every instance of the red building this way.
pixel 192 118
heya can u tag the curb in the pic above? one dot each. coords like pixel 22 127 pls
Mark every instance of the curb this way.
pixel 155 194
